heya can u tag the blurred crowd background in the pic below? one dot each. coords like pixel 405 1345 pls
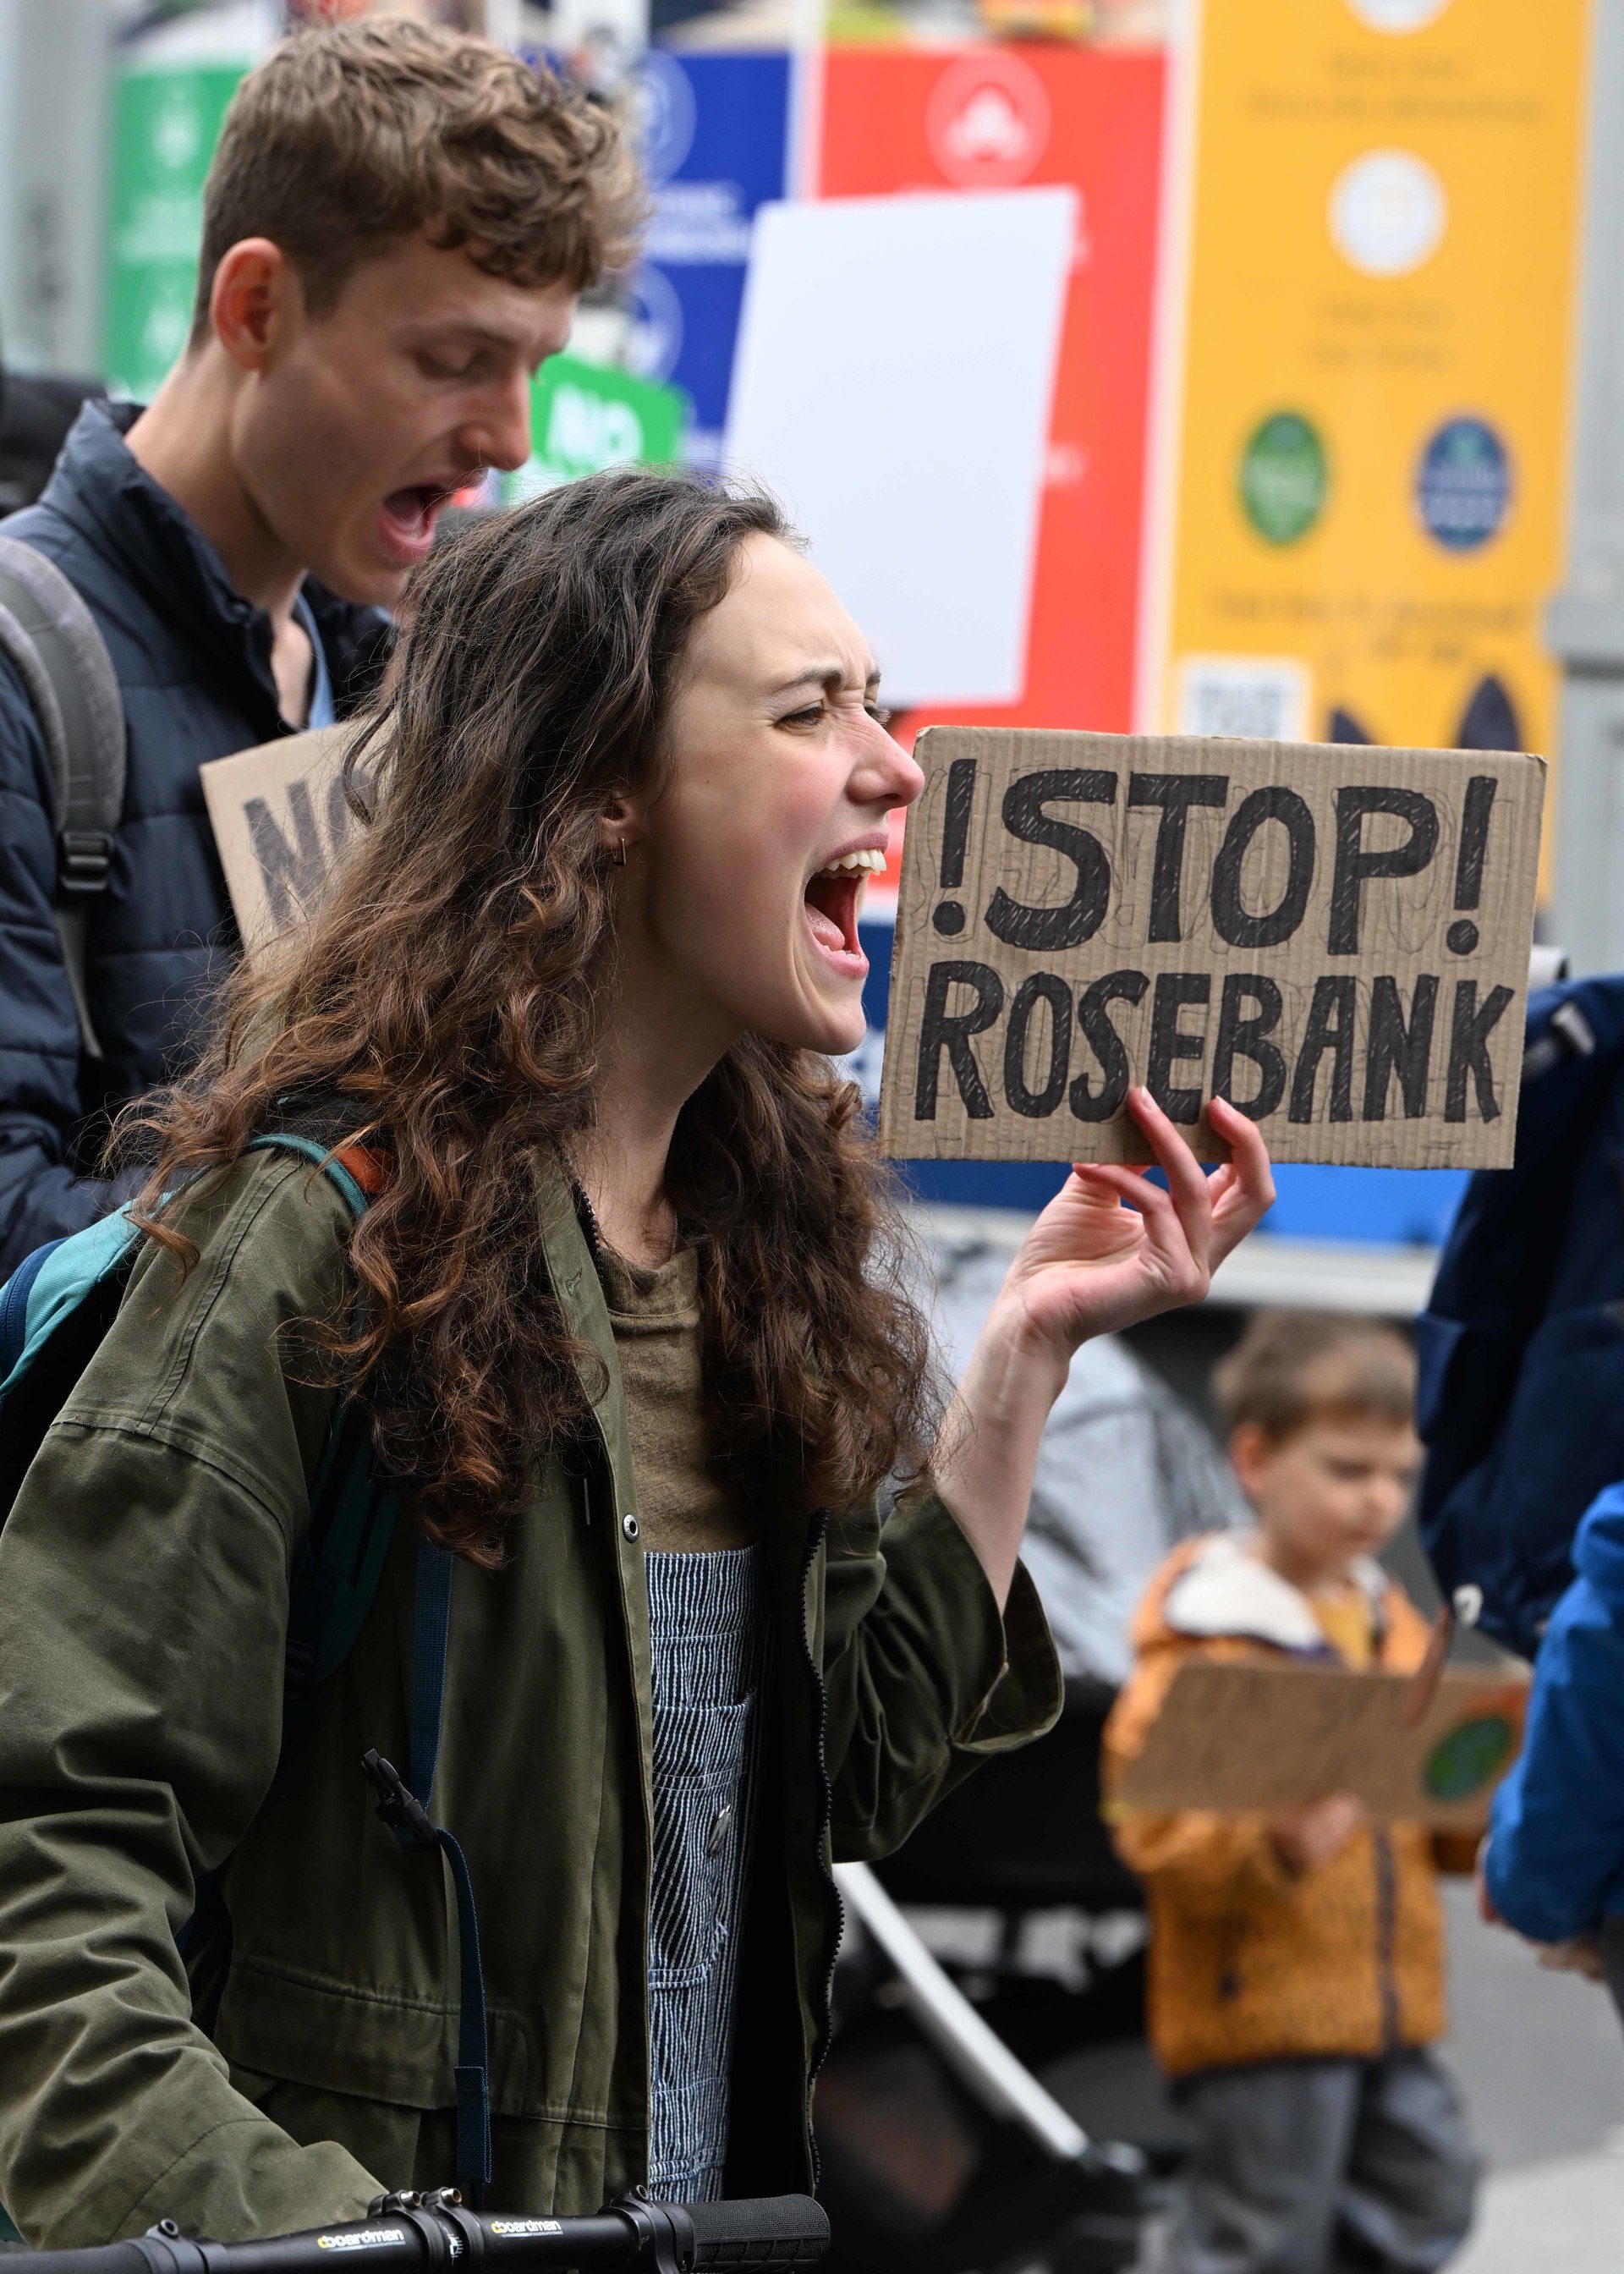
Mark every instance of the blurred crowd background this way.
pixel 1223 366
pixel 1258 397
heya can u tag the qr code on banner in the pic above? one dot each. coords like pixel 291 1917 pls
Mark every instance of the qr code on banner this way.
pixel 1255 699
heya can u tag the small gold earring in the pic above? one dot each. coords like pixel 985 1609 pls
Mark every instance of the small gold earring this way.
pixel 619 852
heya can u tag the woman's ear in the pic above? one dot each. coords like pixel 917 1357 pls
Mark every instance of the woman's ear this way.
pixel 618 831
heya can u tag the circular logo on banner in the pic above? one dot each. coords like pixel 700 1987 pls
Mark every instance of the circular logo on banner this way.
pixel 1398 15
pixel 177 133
pixel 988 121
pixel 663 105
pixel 1462 1763
pixel 1388 212
pixel 656 339
pixel 1283 477
pixel 1463 484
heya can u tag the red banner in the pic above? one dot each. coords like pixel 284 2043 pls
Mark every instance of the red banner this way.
pixel 998 118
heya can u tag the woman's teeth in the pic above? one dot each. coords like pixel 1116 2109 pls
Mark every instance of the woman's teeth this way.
pixel 834 899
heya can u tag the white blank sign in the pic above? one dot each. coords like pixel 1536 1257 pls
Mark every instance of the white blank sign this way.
pixel 893 387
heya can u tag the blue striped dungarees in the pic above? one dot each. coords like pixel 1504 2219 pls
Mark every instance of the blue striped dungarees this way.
pixel 707 1646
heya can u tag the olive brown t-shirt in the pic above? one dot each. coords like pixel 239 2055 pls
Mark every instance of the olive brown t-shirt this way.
pixel 684 1502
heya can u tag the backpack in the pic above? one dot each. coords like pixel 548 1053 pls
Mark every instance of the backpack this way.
pixel 1521 1345
pixel 54 1311
pixel 50 637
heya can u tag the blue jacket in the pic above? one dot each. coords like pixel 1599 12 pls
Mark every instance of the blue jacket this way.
pixel 193 658
pixel 1555 1860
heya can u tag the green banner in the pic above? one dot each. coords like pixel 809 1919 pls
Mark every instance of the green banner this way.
pixel 166 121
pixel 585 416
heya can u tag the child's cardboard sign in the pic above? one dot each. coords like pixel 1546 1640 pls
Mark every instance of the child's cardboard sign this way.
pixel 1243 1738
pixel 280 819
pixel 1334 938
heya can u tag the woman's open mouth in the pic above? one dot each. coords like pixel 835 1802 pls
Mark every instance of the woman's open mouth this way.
pixel 833 899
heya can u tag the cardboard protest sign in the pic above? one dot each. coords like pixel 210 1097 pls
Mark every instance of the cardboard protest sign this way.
pixel 1241 1738
pixel 280 819
pixel 1335 938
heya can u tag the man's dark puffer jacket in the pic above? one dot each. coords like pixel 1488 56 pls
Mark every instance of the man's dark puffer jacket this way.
pixel 193 658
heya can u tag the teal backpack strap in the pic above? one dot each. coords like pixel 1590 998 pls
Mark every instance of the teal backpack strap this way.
pixel 290 1141
pixel 47 1287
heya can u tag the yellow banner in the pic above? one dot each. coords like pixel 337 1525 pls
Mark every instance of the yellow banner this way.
pixel 1368 493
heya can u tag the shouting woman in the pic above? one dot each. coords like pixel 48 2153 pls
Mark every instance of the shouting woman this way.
pixel 621 1318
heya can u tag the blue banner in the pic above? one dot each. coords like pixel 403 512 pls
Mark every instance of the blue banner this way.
pixel 714 136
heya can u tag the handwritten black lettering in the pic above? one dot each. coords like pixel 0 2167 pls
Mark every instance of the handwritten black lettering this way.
pixel 1329 1027
pixel 1393 1047
pixel 1244 1036
pixel 1469 1030
pixel 1041 986
pixel 1169 1044
pixel 1357 864
pixel 1094 1016
pixel 941 1030
pixel 339 816
pixel 291 873
pixel 1230 920
pixel 1026 815
pixel 1174 795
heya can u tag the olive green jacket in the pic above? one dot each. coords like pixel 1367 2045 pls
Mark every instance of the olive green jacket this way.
pixel 144 1593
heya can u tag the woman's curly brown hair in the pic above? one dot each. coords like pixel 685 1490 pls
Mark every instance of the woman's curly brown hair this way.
pixel 445 1003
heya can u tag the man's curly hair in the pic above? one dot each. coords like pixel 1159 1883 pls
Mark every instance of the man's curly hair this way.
pixel 348 137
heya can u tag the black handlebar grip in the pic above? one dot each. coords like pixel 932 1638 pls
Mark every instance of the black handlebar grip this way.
pixel 783 2233
pixel 101 2258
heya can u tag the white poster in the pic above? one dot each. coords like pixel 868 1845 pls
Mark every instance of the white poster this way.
pixel 893 387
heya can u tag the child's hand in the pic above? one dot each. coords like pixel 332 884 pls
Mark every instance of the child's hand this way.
pixel 1486 1911
pixel 1580 1953
pixel 1307 1838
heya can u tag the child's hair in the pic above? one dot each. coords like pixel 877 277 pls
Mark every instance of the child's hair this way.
pixel 1291 1367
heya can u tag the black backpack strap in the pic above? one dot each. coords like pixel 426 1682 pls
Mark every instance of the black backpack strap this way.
pixel 51 638
pixel 404 1808
pixel 335 1586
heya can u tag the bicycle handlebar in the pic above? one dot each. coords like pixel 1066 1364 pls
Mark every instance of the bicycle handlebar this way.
pixel 411 2233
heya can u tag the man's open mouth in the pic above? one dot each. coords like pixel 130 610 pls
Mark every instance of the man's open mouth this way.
pixel 834 897
pixel 410 514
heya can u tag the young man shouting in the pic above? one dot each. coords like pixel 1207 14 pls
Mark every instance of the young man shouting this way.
pixel 397 223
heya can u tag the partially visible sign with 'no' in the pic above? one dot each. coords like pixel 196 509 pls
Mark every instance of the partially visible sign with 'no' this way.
pixel 281 820
pixel 1335 939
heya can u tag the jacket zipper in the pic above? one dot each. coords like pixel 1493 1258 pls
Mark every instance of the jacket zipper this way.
pixel 826 1811
pixel 1387 1880
pixel 1386 1898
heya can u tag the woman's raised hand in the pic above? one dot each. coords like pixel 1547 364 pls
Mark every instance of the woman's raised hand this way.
pixel 1091 1265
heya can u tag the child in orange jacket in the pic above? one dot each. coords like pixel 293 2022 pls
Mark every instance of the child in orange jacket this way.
pixel 1297 1961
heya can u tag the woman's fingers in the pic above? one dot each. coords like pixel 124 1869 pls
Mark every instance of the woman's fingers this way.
pixel 1186 1178
pixel 1181 1234
pixel 1118 1179
pixel 1164 1232
pixel 1244 1191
